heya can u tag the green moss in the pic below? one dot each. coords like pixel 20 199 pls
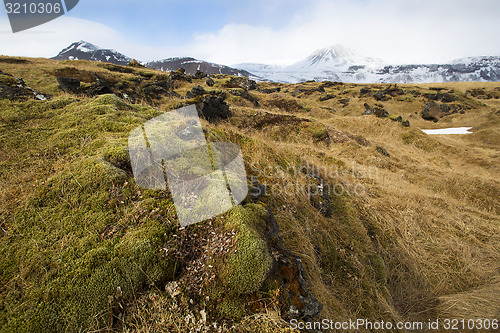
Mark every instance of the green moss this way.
pixel 118 155
pixel 110 99
pixel 420 140
pixel 319 134
pixel 245 270
pixel 378 266
pixel 8 80
pixel 232 308
pixel 77 236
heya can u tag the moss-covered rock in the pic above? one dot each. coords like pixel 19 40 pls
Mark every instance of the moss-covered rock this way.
pixel 245 270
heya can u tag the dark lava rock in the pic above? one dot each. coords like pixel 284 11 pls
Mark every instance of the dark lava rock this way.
pixel 415 93
pixel 369 112
pixel 242 82
pixel 483 94
pixel 398 119
pixel 381 113
pixel 344 101
pixel 447 98
pixel 200 75
pixel 100 87
pixel 15 89
pixel 383 151
pixel 326 97
pixel 328 84
pixel 432 112
pixel 244 94
pixel 270 90
pixel 117 68
pixel 381 96
pixel 69 84
pixel 365 91
pixel 209 82
pixel 297 302
pixel 179 75
pixel 213 108
pixel 297 91
pixel 196 91
pixel 443 97
pixel 394 91
pixel 406 123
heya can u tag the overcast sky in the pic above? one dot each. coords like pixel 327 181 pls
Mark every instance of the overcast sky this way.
pixel 269 31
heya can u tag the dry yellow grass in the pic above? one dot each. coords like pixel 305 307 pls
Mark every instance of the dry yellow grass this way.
pixel 416 237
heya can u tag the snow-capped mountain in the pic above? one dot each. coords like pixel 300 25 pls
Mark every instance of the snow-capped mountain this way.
pixel 83 50
pixel 192 65
pixel 338 63
pixel 332 58
pixel 335 63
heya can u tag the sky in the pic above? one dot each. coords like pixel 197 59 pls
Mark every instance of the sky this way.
pixel 268 31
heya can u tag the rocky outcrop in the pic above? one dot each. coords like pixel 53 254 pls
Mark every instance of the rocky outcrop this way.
pixel 298 302
pixel 14 88
pixel 270 90
pixel 195 92
pixel 241 82
pixel 383 151
pixel 199 74
pixel 433 111
pixel 244 94
pixel 344 101
pixel 100 87
pixel 381 96
pixel 386 94
pixel 443 97
pixel 326 97
pixel 179 75
pixel 209 82
pixel 69 84
pixel 213 108
pixel 377 111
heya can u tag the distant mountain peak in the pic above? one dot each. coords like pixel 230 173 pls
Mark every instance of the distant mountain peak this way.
pixel 334 53
pixel 340 63
pixel 82 46
pixel 83 50
pixel 333 58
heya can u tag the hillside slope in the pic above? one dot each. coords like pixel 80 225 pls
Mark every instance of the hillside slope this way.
pixel 362 217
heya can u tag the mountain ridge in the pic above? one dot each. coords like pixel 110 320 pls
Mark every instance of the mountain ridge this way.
pixel 83 50
pixel 334 63
pixel 338 63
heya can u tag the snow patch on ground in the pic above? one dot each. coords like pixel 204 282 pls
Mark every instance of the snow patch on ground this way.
pixel 451 130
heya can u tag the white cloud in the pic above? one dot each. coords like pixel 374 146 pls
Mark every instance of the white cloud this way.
pixel 397 31
pixel 46 40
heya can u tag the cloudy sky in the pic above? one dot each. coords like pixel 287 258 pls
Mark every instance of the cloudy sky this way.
pixel 269 31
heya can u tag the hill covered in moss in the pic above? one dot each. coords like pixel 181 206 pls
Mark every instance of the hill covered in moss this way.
pixel 353 211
